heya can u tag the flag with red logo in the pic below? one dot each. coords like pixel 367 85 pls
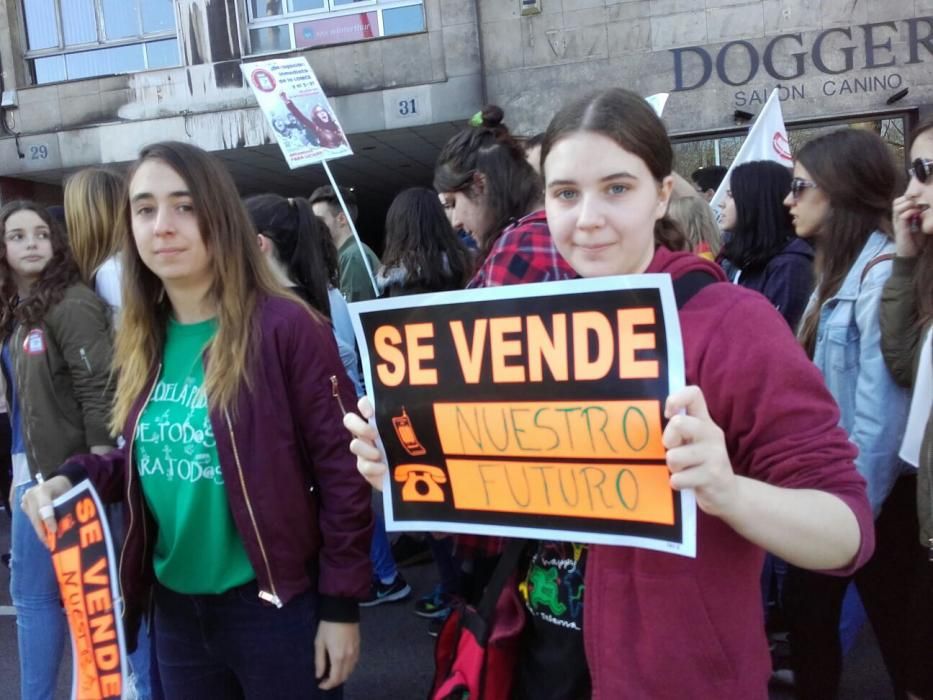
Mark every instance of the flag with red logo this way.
pixel 767 140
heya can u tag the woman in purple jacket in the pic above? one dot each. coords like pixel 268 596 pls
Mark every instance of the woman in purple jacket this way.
pixel 246 525
pixel 777 476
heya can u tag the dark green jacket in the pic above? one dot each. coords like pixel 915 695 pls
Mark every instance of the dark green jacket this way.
pixel 355 282
pixel 62 370
pixel 901 342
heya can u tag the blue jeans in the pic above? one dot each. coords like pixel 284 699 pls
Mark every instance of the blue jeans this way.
pixel 41 627
pixel 380 552
pixel 141 660
pixel 233 645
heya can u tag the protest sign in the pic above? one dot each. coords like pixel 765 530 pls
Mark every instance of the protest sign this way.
pixel 530 411
pixel 85 566
pixel 305 125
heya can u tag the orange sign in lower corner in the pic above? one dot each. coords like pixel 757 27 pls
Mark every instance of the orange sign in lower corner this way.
pixel 607 491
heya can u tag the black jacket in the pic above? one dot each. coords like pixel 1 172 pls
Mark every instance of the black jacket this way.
pixel 786 280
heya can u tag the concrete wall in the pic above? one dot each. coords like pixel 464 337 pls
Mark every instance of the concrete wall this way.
pixel 107 119
pixel 831 57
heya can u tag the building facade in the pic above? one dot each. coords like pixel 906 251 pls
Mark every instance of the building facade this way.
pixel 89 82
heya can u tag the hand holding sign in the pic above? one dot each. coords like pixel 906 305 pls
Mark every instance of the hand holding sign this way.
pixel 369 460
pixel 697 454
pixel 37 505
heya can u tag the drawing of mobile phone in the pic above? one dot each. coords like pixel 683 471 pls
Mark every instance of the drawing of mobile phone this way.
pixel 405 432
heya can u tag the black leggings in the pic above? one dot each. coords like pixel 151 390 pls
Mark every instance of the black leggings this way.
pixel 886 584
pixel 6 463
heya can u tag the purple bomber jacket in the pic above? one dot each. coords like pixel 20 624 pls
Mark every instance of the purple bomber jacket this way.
pixel 302 510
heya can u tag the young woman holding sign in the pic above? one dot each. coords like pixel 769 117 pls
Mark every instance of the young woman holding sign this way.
pixel 246 526
pixel 777 476
pixel 56 355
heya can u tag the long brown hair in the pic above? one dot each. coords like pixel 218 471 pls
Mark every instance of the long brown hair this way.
pixel 93 202
pixel 923 277
pixel 420 241
pixel 628 120
pixel 240 278
pixel 59 274
pixel 855 170
pixel 512 188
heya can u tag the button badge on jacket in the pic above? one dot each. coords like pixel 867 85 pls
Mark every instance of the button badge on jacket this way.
pixel 35 342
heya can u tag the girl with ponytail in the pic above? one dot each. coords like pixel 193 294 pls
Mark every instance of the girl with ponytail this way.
pixel 302 256
pixel 289 235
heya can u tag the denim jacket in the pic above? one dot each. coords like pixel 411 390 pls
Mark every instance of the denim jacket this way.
pixel 873 407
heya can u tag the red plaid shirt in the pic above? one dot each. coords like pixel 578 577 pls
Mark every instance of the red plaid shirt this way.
pixel 524 253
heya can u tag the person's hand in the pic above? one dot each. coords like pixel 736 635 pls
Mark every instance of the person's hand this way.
pixel 336 644
pixel 696 452
pixel 37 505
pixel 907 243
pixel 368 457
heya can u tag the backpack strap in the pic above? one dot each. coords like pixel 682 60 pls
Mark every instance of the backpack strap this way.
pixel 506 566
pixel 874 261
pixel 689 285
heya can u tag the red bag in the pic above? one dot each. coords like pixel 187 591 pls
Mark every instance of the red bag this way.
pixel 477 648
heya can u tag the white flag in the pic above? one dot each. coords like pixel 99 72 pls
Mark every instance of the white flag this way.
pixel 657 101
pixel 767 140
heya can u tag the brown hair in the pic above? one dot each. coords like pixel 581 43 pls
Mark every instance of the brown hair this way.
pixel 59 274
pixel 628 120
pixel 93 203
pixel 923 278
pixel 512 188
pixel 855 170
pixel 240 277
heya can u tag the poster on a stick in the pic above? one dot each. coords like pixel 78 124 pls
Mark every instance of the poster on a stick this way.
pixel 85 566
pixel 290 96
pixel 530 411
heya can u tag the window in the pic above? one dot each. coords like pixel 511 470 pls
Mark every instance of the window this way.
pixel 74 39
pixel 691 153
pixel 277 26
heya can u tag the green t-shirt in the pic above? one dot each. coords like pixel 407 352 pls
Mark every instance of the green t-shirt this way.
pixel 355 284
pixel 198 549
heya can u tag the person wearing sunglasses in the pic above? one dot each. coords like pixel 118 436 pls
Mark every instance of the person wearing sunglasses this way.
pixel 907 345
pixel 840 199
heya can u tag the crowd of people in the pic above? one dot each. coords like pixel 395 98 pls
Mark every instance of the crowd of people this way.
pixel 166 305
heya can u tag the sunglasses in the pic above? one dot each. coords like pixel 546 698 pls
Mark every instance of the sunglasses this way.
pixel 798 185
pixel 920 168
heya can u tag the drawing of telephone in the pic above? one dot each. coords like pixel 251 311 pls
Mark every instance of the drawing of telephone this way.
pixel 405 432
pixel 422 482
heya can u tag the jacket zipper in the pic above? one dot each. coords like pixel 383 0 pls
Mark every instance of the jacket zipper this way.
pixel 272 597
pixel 87 362
pixel 129 483
pixel 336 393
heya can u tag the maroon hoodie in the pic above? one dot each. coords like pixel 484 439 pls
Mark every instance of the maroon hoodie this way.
pixel 664 626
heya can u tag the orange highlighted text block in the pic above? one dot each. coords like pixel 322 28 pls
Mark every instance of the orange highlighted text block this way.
pixel 615 430
pixel 69 571
pixel 640 493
